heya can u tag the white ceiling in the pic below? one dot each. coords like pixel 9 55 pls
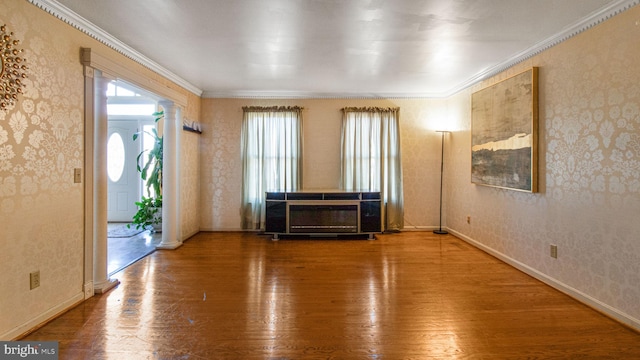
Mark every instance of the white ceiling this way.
pixel 337 48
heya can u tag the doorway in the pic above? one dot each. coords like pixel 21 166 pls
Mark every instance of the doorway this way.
pixel 123 178
pixel 129 112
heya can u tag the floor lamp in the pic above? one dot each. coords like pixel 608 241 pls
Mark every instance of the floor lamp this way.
pixel 440 231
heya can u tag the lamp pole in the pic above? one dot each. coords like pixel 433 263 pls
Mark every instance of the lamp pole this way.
pixel 440 231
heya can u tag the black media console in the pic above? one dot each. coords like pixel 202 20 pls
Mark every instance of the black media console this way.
pixel 329 213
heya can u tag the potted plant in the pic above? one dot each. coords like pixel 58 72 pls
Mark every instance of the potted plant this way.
pixel 149 164
pixel 149 214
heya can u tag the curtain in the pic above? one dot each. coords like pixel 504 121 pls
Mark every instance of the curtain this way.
pixel 271 157
pixel 371 158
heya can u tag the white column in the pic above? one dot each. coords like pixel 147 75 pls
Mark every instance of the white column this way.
pixel 89 123
pixel 101 281
pixel 170 237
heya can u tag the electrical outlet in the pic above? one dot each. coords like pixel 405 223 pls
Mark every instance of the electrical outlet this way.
pixel 88 290
pixel 34 279
pixel 554 251
pixel 77 175
pixel 468 219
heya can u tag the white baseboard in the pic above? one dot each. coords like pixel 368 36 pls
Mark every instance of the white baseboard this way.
pixel 44 317
pixel 222 230
pixel 419 228
pixel 189 235
pixel 596 304
pixel 88 290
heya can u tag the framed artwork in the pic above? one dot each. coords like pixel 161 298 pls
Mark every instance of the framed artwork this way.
pixel 504 133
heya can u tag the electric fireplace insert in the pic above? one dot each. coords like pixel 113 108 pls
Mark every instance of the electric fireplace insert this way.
pixel 323 213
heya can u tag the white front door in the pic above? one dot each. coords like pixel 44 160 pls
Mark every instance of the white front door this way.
pixel 124 179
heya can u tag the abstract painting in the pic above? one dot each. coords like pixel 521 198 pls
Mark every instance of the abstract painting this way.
pixel 504 136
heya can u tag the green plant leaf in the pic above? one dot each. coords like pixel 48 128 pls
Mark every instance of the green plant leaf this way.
pixel 149 164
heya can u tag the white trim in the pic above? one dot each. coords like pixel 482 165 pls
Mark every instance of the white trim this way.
pixel 312 95
pixel 104 286
pixel 238 229
pixel 96 60
pixel 594 303
pixel 169 246
pixel 89 148
pixel 89 291
pixel 189 236
pixel 587 23
pixel 419 228
pixel 70 17
pixel 43 317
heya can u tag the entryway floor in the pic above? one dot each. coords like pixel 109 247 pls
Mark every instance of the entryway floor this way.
pixel 124 251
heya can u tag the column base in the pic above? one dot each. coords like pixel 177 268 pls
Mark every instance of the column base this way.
pixel 168 246
pixel 104 286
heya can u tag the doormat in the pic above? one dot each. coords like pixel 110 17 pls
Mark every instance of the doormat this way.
pixel 121 231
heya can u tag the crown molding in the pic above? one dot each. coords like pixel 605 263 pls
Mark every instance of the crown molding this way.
pixel 96 60
pixel 70 17
pixel 570 31
pixel 299 95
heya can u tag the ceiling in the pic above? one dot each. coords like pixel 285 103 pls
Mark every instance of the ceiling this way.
pixel 335 48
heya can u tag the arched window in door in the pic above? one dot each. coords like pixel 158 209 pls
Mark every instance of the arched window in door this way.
pixel 115 159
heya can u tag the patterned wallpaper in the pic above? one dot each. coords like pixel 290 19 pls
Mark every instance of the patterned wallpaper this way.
pixel 222 174
pixel 589 169
pixel 589 166
pixel 41 142
pixel 189 184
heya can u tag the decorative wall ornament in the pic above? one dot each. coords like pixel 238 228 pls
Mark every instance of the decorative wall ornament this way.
pixel 12 69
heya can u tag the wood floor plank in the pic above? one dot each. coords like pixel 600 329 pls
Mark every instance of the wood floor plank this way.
pixel 411 295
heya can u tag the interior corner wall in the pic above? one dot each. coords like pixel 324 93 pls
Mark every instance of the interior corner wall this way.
pixel 189 184
pixel 41 143
pixel 189 162
pixel 589 172
pixel 221 172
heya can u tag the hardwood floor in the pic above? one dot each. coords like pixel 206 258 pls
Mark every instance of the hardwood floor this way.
pixel 412 295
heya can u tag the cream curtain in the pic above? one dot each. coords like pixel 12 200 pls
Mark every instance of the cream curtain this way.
pixel 371 158
pixel 271 157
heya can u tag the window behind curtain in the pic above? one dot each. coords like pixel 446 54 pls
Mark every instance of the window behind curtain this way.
pixel 371 158
pixel 271 157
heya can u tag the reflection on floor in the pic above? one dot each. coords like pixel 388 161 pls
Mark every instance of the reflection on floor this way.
pixel 123 252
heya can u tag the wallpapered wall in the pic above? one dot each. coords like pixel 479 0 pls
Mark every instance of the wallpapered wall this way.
pixel 189 185
pixel 589 166
pixel 41 142
pixel 589 169
pixel 221 178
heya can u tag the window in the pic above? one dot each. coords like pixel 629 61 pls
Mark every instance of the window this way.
pixel 371 158
pixel 123 100
pixel 271 157
pixel 115 158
